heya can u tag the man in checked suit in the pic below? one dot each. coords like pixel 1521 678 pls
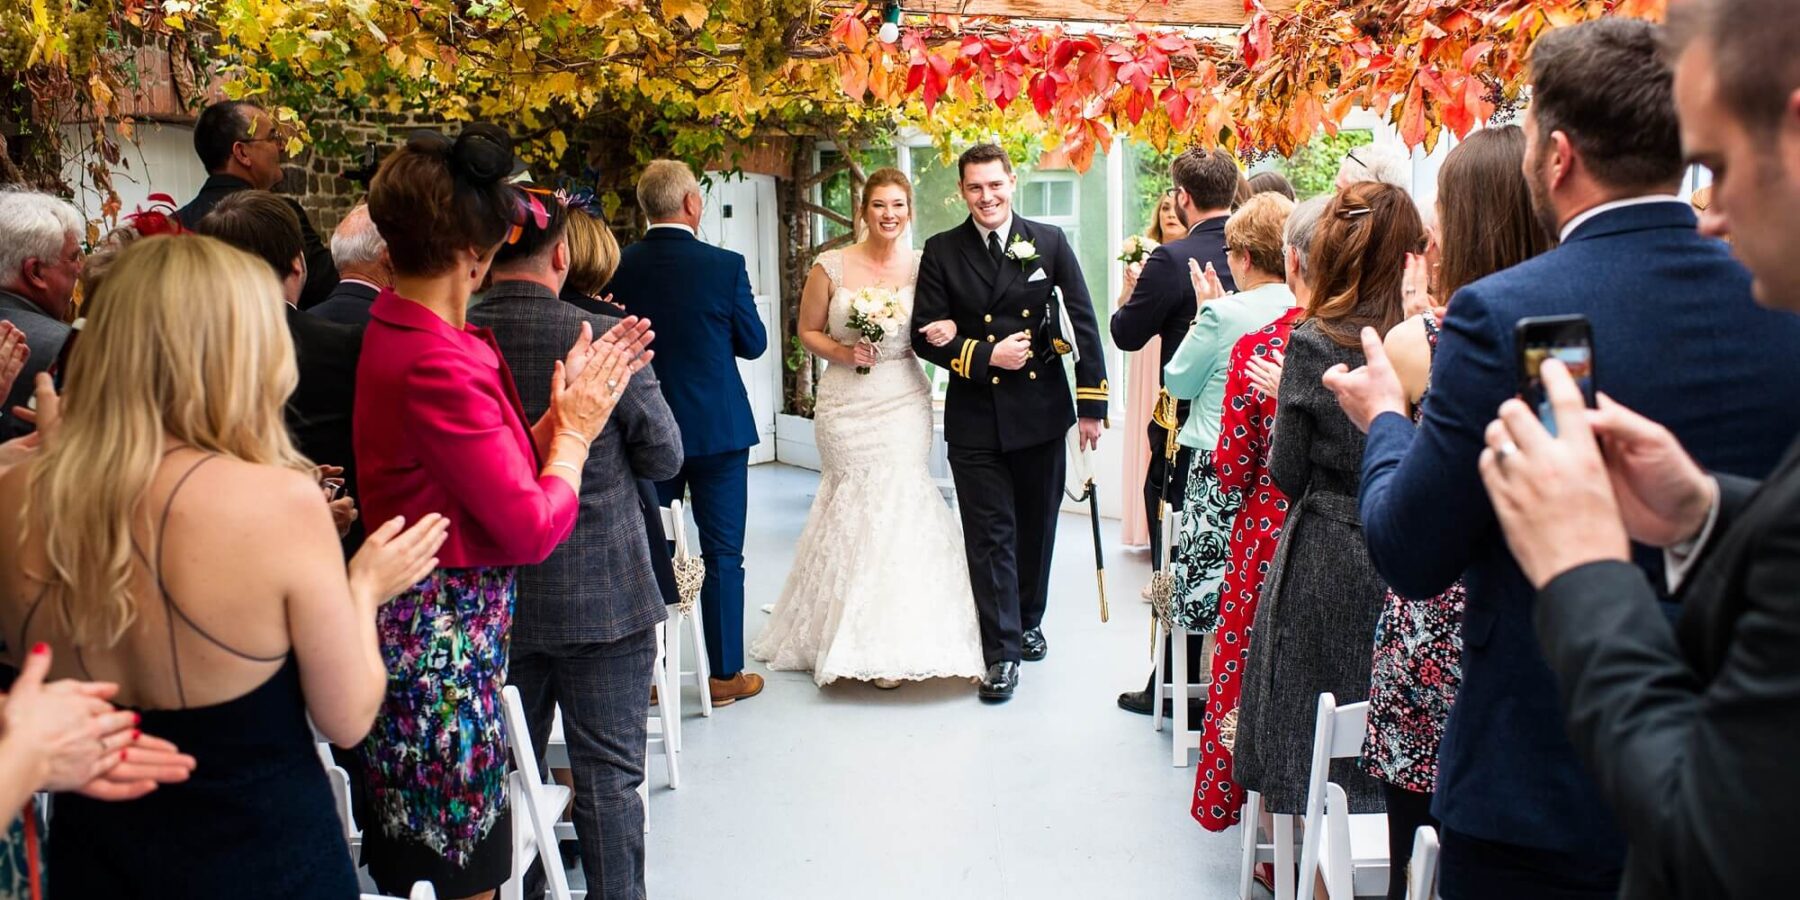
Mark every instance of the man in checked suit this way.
pixel 1008 409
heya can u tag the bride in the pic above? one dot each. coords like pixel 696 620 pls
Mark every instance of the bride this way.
pixel 880 587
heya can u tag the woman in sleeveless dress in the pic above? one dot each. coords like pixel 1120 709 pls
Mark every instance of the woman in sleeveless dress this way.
pixel 853 605
pixel 170 540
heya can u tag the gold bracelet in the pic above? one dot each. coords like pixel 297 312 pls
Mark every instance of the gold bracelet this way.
pixel 574 434
pixel 561 464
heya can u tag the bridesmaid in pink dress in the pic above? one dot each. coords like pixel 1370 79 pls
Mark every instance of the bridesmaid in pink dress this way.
pixel 1144 378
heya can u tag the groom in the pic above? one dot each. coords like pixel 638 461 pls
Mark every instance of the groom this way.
pixel 1008 409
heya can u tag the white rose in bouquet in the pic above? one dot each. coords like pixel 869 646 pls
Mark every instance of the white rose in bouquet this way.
pixel 1136 249
pixel 874 311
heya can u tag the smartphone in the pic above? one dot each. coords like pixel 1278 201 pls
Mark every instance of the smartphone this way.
pixel 1568 339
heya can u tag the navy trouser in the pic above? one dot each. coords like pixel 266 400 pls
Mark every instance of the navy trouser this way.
pixel 720 487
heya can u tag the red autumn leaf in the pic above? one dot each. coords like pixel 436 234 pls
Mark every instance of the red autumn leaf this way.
pixel 915 76
pixel 856 34
pixel 1176 104
pixel 1474 54
pixel 853 74
pixel 1043 94
pixel 1412 123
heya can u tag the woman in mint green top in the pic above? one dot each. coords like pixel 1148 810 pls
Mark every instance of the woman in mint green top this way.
pixel 1197 372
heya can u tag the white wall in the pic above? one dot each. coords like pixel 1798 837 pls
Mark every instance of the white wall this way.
pixel 740 215
pixel 160 161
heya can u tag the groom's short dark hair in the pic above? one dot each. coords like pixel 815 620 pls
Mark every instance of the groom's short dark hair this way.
pixel 982 153
pixel 1210 177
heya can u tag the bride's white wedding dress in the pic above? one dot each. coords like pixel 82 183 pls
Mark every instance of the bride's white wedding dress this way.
pixel 880 586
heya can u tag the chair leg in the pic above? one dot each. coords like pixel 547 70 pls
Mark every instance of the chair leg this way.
pixel 1283 828
pixel 643 789
pixel 702 662
pixel 1157 676
pixel 1179 691
pixel 673 670
pixel 669 722
pixel 1250 823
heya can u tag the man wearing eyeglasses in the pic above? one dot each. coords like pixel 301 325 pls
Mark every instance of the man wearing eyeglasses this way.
pixel 242 149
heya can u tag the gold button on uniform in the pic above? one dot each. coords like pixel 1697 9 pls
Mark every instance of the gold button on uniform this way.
pixel 990 338
pixel 1025 313
pixel 1031 375
pixel 996 379
pixel 987 318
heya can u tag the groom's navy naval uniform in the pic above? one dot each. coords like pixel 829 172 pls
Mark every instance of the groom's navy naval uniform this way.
pixel 1006 428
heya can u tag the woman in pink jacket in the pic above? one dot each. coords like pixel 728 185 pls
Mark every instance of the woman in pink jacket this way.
pixel 438 427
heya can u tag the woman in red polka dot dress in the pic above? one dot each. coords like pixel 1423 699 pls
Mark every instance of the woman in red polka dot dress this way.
pixel 1242 458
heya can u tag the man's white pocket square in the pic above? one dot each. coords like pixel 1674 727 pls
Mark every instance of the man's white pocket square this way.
pixel 1037 276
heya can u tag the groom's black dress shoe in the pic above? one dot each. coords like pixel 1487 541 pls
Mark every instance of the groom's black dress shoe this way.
pixel 1033 647
pixel 1001 678
pixel 1139 702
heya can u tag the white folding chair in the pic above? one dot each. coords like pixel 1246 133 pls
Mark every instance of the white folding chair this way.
pixel 1278 852
pixel 340 794
pixel 1350 849
pixel 421 890
pixel 1421 873
pixel 536 806
pixel 1185 740
pixel 690 616
pixel 665 722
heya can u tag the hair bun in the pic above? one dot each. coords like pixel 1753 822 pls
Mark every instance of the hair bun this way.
pixel 425 140
pixel 482 154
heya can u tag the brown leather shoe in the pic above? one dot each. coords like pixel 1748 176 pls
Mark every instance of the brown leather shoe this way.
pixel 726 691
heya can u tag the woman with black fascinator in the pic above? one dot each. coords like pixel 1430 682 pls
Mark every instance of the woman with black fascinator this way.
pixel 439 429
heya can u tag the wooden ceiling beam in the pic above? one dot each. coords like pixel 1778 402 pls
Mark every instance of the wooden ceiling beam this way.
pixel 1225 13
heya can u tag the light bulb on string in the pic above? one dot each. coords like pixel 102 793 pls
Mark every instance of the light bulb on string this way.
pixel 890 22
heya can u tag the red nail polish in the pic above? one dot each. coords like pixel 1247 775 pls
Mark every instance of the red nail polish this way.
pixel 135 734
pixel 137 719
pixel 41 648
pixel 121 756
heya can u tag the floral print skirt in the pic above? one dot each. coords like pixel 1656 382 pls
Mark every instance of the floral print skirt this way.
pixel 436 759
pixel 1202 547
pixel 1418 667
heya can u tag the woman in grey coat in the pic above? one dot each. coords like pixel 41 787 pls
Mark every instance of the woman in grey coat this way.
pixel 1315 624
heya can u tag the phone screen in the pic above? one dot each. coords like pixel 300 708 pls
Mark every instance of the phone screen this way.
pixel 1567 339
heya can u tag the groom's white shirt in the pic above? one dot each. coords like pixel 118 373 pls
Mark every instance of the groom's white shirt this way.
pixel 1004 231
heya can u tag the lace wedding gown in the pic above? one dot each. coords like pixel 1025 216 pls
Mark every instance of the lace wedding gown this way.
pixel 880 586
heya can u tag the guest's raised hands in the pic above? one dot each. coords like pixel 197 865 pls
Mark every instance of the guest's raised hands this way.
pixel 1207 285
pixel 584 403
pixel 13 354
pixel 1415 288
pixel 1663 493
pixel 1265 373
pixel 392 559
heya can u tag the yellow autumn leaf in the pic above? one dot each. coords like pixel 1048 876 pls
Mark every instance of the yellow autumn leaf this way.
pixel 693 12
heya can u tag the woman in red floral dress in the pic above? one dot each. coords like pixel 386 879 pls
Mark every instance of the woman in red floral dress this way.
pixel 1241 457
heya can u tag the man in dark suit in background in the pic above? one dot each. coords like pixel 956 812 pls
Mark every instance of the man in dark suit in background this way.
pixel 242 150
pixel 1690 734
pixel 1008 410
pixel 1163 304
pixel 1676 335
pixel 363 269
pixel 318 414
pixel 699 298
pixel 40 261
pixel 584 637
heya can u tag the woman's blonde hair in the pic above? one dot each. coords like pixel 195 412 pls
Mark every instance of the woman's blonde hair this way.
pixel 1255 230
pixel 593 254
pixel 186 339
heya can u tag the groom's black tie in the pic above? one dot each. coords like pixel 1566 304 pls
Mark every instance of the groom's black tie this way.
pixel 994 249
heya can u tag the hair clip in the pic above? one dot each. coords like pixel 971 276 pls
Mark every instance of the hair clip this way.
pixel 1354 212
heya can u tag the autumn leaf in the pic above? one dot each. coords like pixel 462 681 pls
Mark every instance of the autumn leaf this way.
pixel 693 12
pixel 1411 116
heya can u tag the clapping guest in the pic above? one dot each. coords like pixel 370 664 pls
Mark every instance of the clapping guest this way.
pixel 1316 618
pixel 1522 815
pixel 584 637
pixel 439 427
pixel 319 411
pixel 363 270
pixel 1197 374
pixel 1241 456
pixel 40 261
pixel 201 575
pixel 1162 306
pixel 699 295
pixel 1143 459
pixel 1484 206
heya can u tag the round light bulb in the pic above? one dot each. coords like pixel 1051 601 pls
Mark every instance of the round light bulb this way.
pixel 889 32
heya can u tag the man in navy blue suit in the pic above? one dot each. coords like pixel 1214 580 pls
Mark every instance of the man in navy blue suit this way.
pixel 699 298
pixel 1677 336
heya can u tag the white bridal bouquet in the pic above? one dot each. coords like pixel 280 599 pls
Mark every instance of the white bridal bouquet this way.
pixel 1136 249
pixel 873 311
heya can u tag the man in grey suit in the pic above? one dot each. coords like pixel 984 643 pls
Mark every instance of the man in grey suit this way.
pixel 40 259
pixel 1690 732
pixel 584 633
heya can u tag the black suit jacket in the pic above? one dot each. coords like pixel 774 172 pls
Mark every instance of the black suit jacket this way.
pixel 1691 734
pixel 990 408
pixel 319 413
pixel 321 272
pixel 1163 301
pixel 348 304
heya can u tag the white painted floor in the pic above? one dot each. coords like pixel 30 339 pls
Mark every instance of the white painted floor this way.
pixel 852 792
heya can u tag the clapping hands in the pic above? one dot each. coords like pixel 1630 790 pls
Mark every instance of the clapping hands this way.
pixel 1207 285
pixel 1265 373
